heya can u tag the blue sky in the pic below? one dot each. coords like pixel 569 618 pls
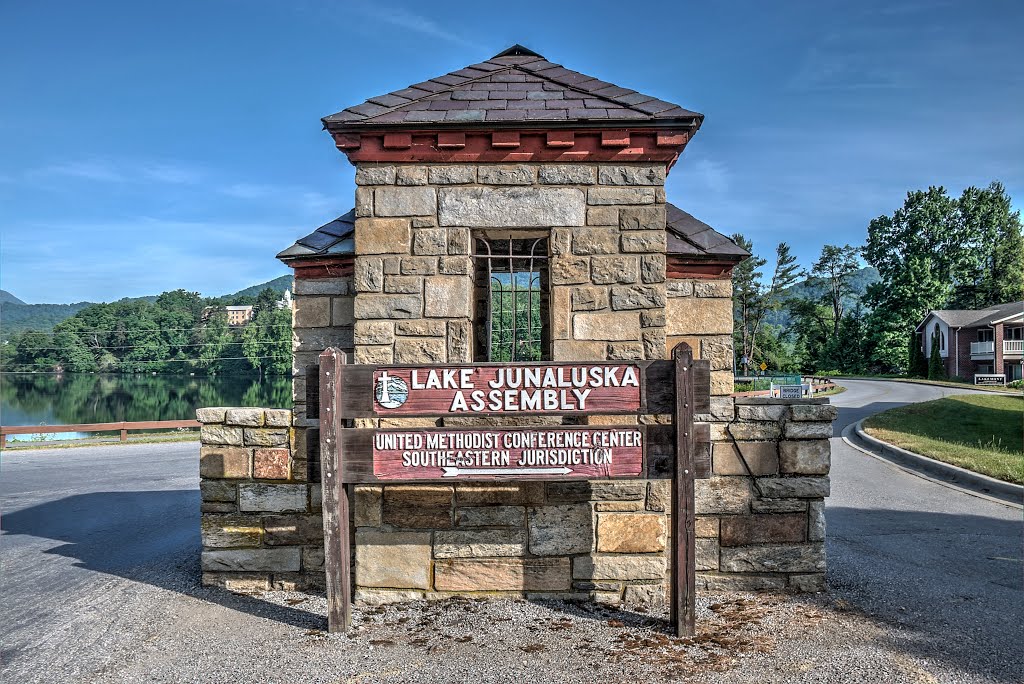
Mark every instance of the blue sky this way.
pixel 151 146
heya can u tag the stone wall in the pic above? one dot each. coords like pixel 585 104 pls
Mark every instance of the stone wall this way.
pixel 414 279
pixel 261 523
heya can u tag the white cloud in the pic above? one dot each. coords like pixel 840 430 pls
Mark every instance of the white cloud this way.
pixel 403 18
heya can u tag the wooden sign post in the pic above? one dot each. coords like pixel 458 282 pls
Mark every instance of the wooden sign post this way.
pixel 349 455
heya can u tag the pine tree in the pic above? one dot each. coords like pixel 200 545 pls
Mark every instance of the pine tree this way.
pixel 936 369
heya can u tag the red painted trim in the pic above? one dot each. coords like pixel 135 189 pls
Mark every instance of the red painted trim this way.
pixel 641 145
pixel 318 269
pixel 683 267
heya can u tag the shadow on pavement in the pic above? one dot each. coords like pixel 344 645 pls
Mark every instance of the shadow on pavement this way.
pixel 951 584
pixel 145 536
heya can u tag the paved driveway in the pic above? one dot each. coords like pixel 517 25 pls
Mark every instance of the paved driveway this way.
pixel 99 577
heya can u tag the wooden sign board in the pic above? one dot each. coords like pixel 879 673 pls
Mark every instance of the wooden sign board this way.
pixel 679 387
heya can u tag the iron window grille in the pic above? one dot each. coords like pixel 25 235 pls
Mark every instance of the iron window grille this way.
pixel 512 286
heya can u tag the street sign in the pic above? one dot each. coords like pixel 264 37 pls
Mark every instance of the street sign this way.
pixel 791 391
pixel 763 366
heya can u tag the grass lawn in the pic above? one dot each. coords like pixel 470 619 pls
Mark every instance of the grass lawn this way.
pixel 983 433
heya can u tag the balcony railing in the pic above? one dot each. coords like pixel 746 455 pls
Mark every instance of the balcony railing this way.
pixel 983 348
pixel 1011 346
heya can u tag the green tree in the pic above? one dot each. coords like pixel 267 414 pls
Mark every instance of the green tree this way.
pixel 834 269
pixel 266 342
pixel 936 369
pixel 917 364
pixel 753 299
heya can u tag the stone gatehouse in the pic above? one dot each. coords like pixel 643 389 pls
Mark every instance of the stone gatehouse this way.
pixel 510 211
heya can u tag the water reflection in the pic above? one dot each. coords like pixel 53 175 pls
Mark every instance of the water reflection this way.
pixel 36 398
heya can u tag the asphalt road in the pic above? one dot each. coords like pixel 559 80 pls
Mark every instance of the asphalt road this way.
pixel 99 554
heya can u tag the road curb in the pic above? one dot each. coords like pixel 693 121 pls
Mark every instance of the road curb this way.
pixel 944 473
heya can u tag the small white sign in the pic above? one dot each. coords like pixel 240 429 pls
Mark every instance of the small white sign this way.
pixel 791 391
pixel 989 379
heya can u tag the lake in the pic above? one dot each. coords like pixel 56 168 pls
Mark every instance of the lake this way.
pixel 69 398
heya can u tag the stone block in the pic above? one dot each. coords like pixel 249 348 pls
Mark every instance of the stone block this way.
pixel 755 431
pixel 451 175
pixel 270 464
pixel 706 552
pixel 595 240
pixel 607 196
pixel 794 487
pixel 383 597
pixel 217 490
pixel 625 297
pixel 217 507
pixel 411 175
pixel 625 351
pixel 816 412
pixel 418 506
pixel 806 457
pixel 317 339
pixel 721 383
pixel 569 271
pixel 566 174
pixel 374 355
pixel 404 201
pixel 497 574
pixel 366 505
pixel 722 495
pixel 271 498
pixel 612 270
pixel 238 582
pixel 252 560
pixel 618 567
pixel 561 530
pixel 630 533
pixel 373 332
pixel 420 328
pixel 761 458
pixel 375 175
pixel 652 268
pixel 313 558
pixel 652 318
pixel 679 288
pixel 459 243
pixel 632 175
pixel 420 350
pixel 618 506
pixel 226 531
pixel 595 490
pixel 293 530
pixel 368 274
pixel 743 530
pixel 211 415
pixel 325 286
pixel 642 218
pixel 400 284
pixel 706 527
pixel 459 350
pixel 265 437
pixel 223 462
pixel 277 417
pixel 500 494
pixel 479 543
pixel 382 236
pixel 692 316
pixel 796 430
pixel 713 288
pixel 718 352
pixel 388 306
pixel 455 265
pixel 396 560
pixel 712 581
pixel 659 495
pixel 807 584
pixel 311 312
pixel 816 521
pixel 765 505
pixel 364 202
pixel 519 207
pixel 430 242
pixel 517 174
pixel 769 412
pixel 490 516
pixel 644 595
pixel 774 558
pixel 643 241
pixel 244 416
pixel 613 327
pixel 448 297
pixel 220 434
pixel 589 298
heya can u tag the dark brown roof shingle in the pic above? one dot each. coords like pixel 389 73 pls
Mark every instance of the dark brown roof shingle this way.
pixel 492 90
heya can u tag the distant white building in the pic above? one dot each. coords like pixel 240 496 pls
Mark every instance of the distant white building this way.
pixel 286 300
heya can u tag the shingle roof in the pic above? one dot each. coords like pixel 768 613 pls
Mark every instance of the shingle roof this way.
pixel 688 236
pixel 513 87
pixel 335 237
pixel 973 318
